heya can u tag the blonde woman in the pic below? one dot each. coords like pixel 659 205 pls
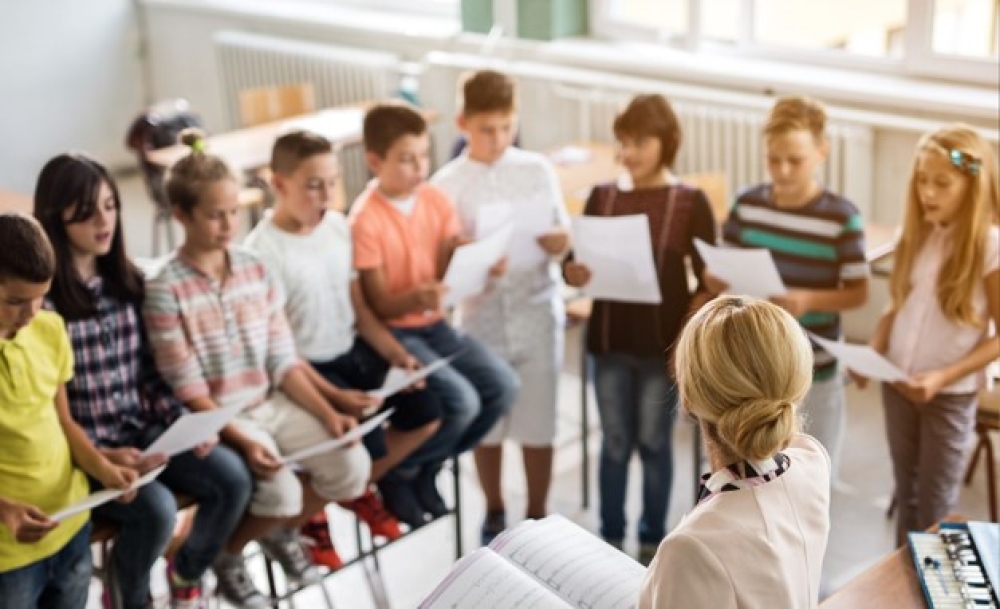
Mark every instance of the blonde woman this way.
pixel 945 290
pixel 759 531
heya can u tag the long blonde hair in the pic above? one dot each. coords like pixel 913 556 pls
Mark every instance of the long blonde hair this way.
pixel 742 367
pixel 962 271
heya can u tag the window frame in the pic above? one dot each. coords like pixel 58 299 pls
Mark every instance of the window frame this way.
pixel 918 58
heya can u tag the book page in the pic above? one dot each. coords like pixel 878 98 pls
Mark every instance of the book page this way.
pixel 484 579
pixel 583 570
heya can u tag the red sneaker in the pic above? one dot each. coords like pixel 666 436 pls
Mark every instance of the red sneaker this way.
pixel 369 508
pixel 316 538
pixel 184 594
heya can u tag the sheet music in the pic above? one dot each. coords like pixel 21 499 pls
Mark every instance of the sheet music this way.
pixel 749 271
pixel 484 579
pixel 582 569
pixel 399 379
pixel 619 253
pixel 862 359
pixel 334 443
pixel 469 269
pixel 103 496
pixel 523 250
pixel 190 430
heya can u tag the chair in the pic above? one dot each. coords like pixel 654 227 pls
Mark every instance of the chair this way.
pixel 987 420
pixel 158 127
pixel 267 104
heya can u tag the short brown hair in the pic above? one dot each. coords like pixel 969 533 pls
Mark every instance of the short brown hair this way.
pixel 292 148
pixel 651 116
pixel 28 256
pixel 794 113
pixel 387 122
pixel 487 91
pixel 188 178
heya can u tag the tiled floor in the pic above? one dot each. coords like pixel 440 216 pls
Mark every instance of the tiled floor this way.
pixel 410 568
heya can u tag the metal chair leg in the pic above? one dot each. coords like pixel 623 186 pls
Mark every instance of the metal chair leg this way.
pixel 458 508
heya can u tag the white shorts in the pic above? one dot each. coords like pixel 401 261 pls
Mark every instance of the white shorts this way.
pixel 285 427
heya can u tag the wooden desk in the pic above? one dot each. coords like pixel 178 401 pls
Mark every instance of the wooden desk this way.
pixel 892 582
pixel 16 201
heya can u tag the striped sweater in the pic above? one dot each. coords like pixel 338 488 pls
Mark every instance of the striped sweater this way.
pixel 228 341
pixel 817 247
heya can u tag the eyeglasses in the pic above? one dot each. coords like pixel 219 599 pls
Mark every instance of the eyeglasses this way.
pixel 964 161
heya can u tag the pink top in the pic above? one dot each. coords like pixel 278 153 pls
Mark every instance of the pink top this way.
pixel 404 246
pixel 922 338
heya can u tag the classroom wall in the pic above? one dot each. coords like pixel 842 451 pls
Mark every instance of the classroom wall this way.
pixel 70 78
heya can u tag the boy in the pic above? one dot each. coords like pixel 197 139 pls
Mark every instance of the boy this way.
pixel 521 317
pixel 42 562
pixel 307 249
pixel 816 238
pixel 404 233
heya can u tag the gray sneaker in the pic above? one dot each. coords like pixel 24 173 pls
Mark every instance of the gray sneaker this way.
pixel 282 546
pixel 234 583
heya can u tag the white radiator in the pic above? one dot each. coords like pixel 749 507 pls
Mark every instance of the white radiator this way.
pixel 339 75
pixel 721 129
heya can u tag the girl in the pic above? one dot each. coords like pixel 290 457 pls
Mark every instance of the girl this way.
pixel 221 339
pixel 759 531
pixel 629 342
pixel 116 394
pixel 944 291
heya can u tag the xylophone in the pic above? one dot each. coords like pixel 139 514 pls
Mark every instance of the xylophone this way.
pixel 958 565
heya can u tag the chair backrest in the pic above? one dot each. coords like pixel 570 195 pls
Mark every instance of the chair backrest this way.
pixel 713 184
pixel 268 104
pixel 158 127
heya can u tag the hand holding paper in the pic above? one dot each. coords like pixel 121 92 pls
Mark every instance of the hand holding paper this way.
pixel 469 268
pixel 618 252
pixel 399 379
pixel 746 271
pixel 101 497
pixel 190 430
pixel 335 443
pixel 862 359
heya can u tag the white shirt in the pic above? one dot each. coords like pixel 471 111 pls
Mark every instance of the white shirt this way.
pixel 922 338
pixel 502 317
pixel 313 273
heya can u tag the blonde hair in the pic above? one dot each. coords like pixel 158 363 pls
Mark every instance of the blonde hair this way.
pixel 962 271
pixel 188 178
pixel 743 366
pixel 794 113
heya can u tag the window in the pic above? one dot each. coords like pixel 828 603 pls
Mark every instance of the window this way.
pixel 953 39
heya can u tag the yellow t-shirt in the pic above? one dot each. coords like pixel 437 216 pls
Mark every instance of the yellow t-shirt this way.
pixel 35 463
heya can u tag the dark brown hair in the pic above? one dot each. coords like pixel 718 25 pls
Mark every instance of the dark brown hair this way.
pixel 292 148
pixel 69 180
pixel 28 256
pixel 387 122
pixel 188 178
pixel 487 91
pixel 651 116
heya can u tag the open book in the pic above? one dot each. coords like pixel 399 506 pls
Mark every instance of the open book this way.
pixel 541 563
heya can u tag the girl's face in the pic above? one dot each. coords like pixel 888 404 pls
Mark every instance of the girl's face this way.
pixel 792 160
pixel 940 187
pixel 212 224
pixel 641 157
pixel 92 237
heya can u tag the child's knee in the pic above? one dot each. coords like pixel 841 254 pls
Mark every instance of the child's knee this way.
pixel 279 497
pixel 342 474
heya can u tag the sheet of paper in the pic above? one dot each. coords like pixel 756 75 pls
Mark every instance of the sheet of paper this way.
pixel 103 496
pixel 619 254
pixel 749 271
pixel 469 268
pixel 862 359
pixel 335 124
pixel 334 443
pixel 523 250
pixel 399 379
pixel 190 430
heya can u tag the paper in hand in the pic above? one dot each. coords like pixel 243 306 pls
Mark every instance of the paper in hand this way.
pixel 190 430
pixel 103 496
pixel 862 359
pixel 399 379
pixel 749 271
pixel 618 251
pixel 469 269
pixel 335 443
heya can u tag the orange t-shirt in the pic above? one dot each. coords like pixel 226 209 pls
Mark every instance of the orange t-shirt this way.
pixel 404 246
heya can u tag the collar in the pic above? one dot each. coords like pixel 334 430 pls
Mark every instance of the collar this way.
pixel 744 474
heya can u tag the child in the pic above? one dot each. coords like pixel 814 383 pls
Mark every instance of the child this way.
pixel 944 291
pixel 759 532
pixel 404 232
pixel 307 248
pixel 629 343
pixel 221 339
pixel 521 317
pixel 42 562
pixel 117 396
pixel 816 238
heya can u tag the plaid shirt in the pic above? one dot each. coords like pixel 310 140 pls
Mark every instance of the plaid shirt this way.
pixel 116 393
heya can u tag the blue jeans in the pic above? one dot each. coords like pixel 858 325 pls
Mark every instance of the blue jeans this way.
pixel 475 389
pixel 637 405
pixel 60 581
pixel 220 483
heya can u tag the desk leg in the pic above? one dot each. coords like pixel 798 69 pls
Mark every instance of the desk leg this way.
pixel 584 418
